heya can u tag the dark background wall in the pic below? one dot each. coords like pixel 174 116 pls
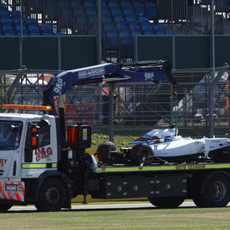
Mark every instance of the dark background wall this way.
pixel 62 53
pixel 51 53
pixel 184 51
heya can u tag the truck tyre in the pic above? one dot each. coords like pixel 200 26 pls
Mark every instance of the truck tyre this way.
pixel 215 192
pixel 5 207
pixel 52 195
pixel 166 202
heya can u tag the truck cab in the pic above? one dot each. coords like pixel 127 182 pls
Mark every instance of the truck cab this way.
pixel 29 148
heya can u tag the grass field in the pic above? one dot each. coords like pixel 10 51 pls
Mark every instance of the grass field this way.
pixel 143 219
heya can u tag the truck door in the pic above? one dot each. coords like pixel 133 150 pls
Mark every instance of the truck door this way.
pixel 38 155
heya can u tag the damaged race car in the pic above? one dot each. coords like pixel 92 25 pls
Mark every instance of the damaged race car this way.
pixel 167 145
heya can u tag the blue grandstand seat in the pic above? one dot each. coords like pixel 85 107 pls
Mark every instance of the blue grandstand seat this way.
pixel 9 33
pixel 3 7
pixel 143 20
pixel 17 21
pixel 151 10
pixel 4 14
pixel 139 8
pixel 105 12
pixel 152 14
pixel 222 4
pixel 147 27
pixel 18 28
pixel 122 27
pixel 126 5
pixel 135 28
pixel 119 19
pixel 126 41
pixel 129 13
pixel 125 36
pixel 78 9
pixel 112 40
pixel 116 12
pixel 109 27
pixel 6 21
pixel 138 5
pixel 64 5
pixel 92 17
pixel 8 30
pixel 16 14
pixel 140 11
pixel 131 20
pixel 113 5
pixel 78 12
pixel 91 11
pixel 159 29
pixel 46 30
pixel 149 32
pixel 126 45
pixel 76 4
pixel 113 43
pixel 112 34
pixel 106 19
pixel 34 30
pixel 31 21
pixel 90 3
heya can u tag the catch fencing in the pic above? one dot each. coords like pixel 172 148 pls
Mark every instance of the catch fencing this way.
pixel 131 109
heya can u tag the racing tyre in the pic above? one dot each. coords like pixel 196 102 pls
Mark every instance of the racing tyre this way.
pixel 166 202
pixel 104 151
pixel 215 193
pixel 52 195
pixel 5 207
pixel 141 153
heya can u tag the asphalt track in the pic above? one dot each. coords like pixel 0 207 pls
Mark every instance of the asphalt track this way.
pixel 89 207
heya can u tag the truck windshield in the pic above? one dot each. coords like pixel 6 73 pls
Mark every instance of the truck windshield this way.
pixel 10 134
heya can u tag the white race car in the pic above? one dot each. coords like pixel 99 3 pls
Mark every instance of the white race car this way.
pixel 166 145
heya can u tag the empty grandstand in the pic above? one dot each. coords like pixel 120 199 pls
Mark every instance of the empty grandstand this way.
pixel 121 20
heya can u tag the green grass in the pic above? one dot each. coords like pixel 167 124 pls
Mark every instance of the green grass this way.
pixel 119 140
pixel 143 219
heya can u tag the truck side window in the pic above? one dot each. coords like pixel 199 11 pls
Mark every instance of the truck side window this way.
pixel 43 133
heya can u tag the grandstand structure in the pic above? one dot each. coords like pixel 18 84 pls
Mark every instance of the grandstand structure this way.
pixel 121 20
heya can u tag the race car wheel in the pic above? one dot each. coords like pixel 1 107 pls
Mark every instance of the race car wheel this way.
pixel 141 153
pixel 52 195
pixel 5 207
pixel 104 151
pixel 215 192
pixel 166 202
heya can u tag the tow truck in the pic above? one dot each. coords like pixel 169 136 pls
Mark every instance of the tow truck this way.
pixel 46 164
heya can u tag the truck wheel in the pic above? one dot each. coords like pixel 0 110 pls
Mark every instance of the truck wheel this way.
pixel 5 207
pixel 52 195
pixel 166 202
pixel 216 193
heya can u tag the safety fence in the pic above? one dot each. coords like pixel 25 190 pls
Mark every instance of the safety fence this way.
pixel 133 109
